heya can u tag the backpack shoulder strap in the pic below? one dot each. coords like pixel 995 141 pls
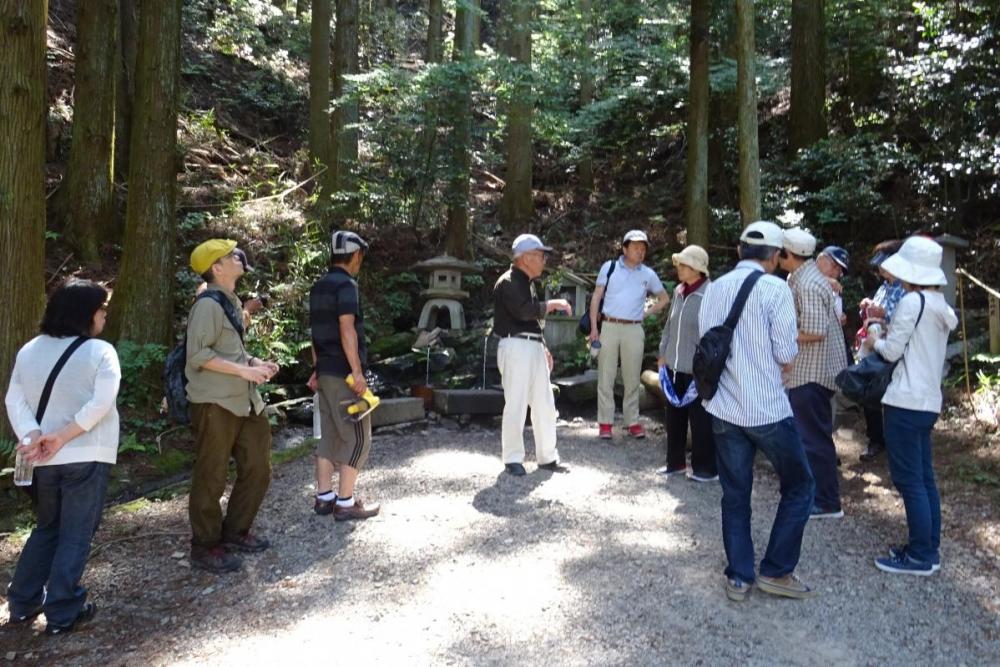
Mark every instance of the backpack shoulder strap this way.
pixel 741 298
pixel 43 402
pixel 227 308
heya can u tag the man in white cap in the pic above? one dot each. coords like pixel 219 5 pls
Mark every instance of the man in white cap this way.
pixel 750 412
pixel 822 355
pixel 523 359
pixel 617 310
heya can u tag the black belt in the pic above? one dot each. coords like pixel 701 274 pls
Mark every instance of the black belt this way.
pixel 527 336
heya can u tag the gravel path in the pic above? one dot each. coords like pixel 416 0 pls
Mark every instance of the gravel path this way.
pixel 606 565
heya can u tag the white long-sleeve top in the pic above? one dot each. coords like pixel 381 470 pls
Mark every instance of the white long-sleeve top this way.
pixel 916 382
pixel 84 392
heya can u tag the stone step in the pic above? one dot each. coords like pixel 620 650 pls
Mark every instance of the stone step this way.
pixel 468 401
pixel 397 411
pixel 578 388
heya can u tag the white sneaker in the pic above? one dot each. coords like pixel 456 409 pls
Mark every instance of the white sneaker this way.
pixel 701 478
pixel 666 472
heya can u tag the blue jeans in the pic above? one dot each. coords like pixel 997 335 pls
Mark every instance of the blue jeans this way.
pixel 814 420
pixel 908 443
pixel 735 447
pixel 69 499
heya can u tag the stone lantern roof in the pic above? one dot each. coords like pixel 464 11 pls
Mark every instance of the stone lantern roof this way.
pixel 446 276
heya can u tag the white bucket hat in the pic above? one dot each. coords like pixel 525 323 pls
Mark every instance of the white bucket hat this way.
pixel 693 256
pixel 917 262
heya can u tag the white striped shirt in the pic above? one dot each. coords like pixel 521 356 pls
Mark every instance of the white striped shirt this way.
pixel 750 391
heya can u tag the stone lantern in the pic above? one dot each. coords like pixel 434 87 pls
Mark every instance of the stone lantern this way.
pixel 444 292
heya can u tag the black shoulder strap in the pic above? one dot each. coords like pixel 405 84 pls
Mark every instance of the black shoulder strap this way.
pixel 227 308
pixel 741 298
pixel 611 269
pixel 43 402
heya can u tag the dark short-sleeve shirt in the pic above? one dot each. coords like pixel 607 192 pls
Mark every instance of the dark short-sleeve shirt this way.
pixel 516 308
pixel 335 294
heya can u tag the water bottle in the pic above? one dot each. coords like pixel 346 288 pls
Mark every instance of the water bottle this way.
pixel 23 468
pixel 875 330
pixel 595 348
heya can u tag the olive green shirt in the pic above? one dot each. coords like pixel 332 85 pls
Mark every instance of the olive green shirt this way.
pixel 210 335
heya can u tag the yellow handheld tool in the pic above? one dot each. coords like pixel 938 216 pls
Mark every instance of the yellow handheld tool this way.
pixel 359 408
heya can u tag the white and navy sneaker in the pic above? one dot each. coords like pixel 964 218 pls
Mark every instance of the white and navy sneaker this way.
pixel 903 564
pixel 818 512
pixel 899 550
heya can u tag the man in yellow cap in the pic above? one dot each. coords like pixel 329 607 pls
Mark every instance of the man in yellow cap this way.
pixel 227 415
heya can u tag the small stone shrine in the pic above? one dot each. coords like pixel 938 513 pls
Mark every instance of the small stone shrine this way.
pixel 444 292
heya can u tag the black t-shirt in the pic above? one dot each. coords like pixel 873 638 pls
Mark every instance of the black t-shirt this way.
pixel 516 309
pixel 335 294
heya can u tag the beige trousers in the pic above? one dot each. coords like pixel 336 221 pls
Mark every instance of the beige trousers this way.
pixel 524 373
pixel 625 343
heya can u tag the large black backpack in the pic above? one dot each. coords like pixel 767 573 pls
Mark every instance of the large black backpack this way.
pixel 174 379
pixel 712 351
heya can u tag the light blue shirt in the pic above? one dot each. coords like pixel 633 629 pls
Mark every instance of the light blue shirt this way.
pixel 625 296
pixel 750 391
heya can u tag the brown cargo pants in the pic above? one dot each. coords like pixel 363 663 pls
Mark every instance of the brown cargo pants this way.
pixel 219 435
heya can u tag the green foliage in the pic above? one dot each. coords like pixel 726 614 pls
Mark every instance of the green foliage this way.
pixel 141 366
pixel 132 443
pixel 7 455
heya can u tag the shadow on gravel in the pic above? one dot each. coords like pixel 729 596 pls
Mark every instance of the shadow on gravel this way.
pixel 507 496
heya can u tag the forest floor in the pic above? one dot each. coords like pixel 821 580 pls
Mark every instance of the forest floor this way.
pixel 610 564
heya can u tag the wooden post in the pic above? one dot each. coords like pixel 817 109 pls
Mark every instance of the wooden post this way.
pixel 994 325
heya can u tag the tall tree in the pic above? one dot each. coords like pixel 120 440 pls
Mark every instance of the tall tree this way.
pixel 22 175
pixel 457 225
pixel 746 104
pixel 435 20
pixel 696 182
pixel 807 114
pixel 517 205
pixel 586 165
pixel 319 87
pixel 343 120
pixel 90 172
pixel 142 308
pixel 128 49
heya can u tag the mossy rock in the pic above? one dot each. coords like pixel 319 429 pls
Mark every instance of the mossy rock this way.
pixel 392 345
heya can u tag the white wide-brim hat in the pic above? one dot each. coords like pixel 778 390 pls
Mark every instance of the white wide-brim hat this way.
pixel 917 262
pixel 693 256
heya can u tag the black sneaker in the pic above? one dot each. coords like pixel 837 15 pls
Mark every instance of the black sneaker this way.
pixel 553 466
pixel 25 619
pixel 246 542
pixel 215 559
pixel 515 469
pixel 87 613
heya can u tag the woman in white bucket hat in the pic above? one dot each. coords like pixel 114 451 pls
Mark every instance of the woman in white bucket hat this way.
pixel 917 337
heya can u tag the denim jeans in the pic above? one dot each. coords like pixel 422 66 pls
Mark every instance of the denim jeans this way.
pixel 735 447
pixel 69 499
pixel 908 443
pixel 814 420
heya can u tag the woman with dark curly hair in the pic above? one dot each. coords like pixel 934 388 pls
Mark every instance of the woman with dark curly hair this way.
pixel 71 437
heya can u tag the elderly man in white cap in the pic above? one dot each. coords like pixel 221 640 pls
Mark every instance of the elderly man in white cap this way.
pixel 523 359
pixel 822 355
pixel 750 412
pixel 617 310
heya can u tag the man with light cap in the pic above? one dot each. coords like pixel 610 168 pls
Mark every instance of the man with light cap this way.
pixel 822 355
pixel 227 415
pixel 750 412
pixel 622 286
pixel 523 359
pixel 336 320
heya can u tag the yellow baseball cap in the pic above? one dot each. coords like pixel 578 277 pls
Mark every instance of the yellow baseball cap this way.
pixel 210 252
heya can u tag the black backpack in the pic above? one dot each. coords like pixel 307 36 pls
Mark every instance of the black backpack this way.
pixel 712 351
pixel 584 323
pixel 174 379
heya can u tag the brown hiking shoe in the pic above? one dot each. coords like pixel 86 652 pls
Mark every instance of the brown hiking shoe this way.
pixel 246 542
pixel 788 586
pixel 215 559
pixel 357 511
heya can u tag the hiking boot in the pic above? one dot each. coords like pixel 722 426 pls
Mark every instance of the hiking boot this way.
pixel 818 512
pixel 872 452
pixel 737 590
pixel 355 511
pixel 604 432
pixel 215 559
pixel 637 431
pixel 553 466
pixel 515 469
pixel 324 507
pixel 899 550
pixel 788 586
pixel 902 563
pixel 246 542
pixel 87 613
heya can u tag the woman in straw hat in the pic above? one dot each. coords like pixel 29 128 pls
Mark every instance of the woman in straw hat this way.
pixel 680 336
pixel 917 338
